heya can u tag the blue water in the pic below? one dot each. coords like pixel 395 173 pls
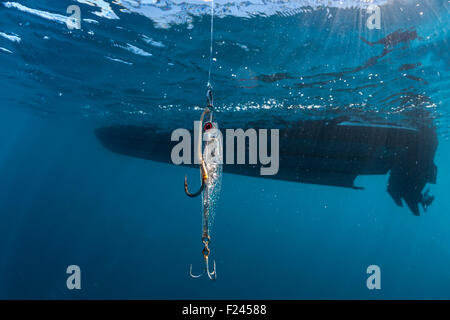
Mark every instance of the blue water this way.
pixel 64 199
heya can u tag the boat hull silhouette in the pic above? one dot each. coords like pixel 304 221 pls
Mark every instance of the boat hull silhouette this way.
pixel 325 152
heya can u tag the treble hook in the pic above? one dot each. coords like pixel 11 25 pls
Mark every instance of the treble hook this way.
pixel 211 275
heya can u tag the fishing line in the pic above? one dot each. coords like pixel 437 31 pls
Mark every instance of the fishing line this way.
pixel 211 44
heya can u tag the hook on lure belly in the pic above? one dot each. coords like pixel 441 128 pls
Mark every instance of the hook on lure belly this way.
pixel 203 170
pixel 204 175
pixel 208 125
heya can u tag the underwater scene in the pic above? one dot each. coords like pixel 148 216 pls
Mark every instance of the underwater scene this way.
pixel 224 149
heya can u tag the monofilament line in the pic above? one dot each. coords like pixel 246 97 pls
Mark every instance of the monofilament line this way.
pixel 211 44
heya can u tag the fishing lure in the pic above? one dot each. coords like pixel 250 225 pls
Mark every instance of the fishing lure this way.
pixel 211 160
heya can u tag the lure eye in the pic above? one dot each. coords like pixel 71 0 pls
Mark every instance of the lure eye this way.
pixel 207 126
